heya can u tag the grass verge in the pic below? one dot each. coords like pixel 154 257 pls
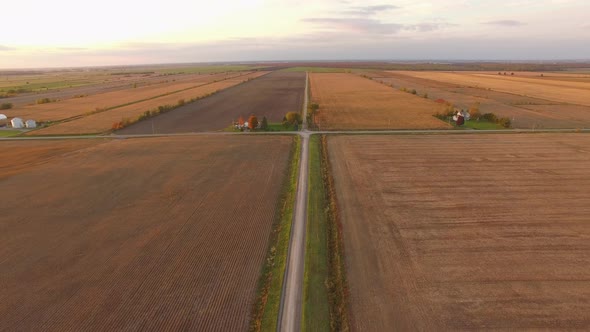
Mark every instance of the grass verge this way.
pixel 316 309
pixel 265 314
pixel 9 133
pixel 325 301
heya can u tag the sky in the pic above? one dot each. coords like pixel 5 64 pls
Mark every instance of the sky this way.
pixel 65 33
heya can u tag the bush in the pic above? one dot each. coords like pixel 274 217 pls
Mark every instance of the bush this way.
pixel 6 106
pixel 490 117
pixel 44 101
pixel 181 102
pixel 414 91
pixel 505 122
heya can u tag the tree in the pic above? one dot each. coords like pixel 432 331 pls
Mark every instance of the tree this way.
pixel 241 121
pixel 252 122
pixel 6 106
pixel 264 124
pixel 293 118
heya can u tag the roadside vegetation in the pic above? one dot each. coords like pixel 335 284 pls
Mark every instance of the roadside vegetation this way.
pixel 265 313
pixel 324 293
pixel 9 133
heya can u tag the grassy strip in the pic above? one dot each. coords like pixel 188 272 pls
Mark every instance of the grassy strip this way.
pixel 316 308
pixel 265 313
pixel 336 283
pixel 9 133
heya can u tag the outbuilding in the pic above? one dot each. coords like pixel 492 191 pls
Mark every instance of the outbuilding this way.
pixel 3 120
pixel 17 123
pixel 31 124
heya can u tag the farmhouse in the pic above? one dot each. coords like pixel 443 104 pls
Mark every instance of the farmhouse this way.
pixel 17 123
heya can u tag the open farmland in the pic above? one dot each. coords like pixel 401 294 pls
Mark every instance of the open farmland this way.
pixel 103 121
pixel 465 232
pixel 80 106
pixel 272 96
pixel 349 102
pixel 526 111
pixel 139 234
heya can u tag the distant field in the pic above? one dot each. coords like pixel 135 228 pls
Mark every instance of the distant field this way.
pixel 521 109
pixel 348 101
pixel 465 232
pixel 136 234
pixel 318 69
pixel 79 106
pixel 103 121
pixel 272 95
pixel 207 69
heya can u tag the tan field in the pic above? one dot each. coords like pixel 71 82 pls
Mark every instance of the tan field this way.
pixel 465 232
pixel 525 111
pixel 348 101
pixel 80 106
pixel 137 234
pixel 552 90
pixel 103 121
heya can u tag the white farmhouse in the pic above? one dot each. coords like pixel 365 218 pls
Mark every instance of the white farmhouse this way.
pixel 17 123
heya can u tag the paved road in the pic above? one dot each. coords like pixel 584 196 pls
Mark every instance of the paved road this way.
pixel 292 295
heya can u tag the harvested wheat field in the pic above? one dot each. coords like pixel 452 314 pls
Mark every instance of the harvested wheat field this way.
pixel 349 102
pixel 552 90
pixel 465 232
pixel 103 121
pixel 271 96
pixel 139 234
pixel 524 111
pixel 80 106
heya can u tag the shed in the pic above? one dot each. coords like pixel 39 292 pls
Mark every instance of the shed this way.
pixel 31 124
pixel 3 120
pixel 17 123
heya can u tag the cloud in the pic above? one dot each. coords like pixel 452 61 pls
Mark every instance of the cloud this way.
pixel 369 10
pixel 370 26
pixel 506 23
pixel 359 25
pixel 72 48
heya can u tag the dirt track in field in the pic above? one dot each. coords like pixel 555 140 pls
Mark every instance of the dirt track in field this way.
pixel 465 232
pixel 138 234
pixel 350 102
pixel 272 95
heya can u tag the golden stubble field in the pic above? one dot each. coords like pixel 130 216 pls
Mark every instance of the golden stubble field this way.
pixel 80 106
pixel 103 121
pixel 465 232
pixel 137 234
pixel 350 102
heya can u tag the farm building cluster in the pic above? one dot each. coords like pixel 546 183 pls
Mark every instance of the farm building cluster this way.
pixel 17 123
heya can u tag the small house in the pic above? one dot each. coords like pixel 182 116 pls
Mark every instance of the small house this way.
pixel 17 123
pixel 30 124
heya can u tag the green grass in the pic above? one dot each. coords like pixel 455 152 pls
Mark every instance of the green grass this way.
pixel 271 127
pixel 268 300
pixel 316 307
pixel 318 69
pixel 9 133
pixel 481 125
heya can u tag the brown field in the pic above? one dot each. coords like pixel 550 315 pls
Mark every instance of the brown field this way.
pixel 519 108
pixel 271 96
pixel 80 106
pixel 348 101
pixel 548 89
pixel 465 232
pixel 103 121
pixel 152 234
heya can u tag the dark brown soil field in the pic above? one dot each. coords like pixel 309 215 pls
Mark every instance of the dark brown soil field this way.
pixel 465 232
pixel 139 234
pixel 272 95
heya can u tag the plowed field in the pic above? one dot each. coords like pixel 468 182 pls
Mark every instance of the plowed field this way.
pixel 465 232
pixel 348 101
pixel 138 234
pixel 272 96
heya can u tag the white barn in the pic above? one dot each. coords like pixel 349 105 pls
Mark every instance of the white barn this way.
pixel 17 123
pixel 31 124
